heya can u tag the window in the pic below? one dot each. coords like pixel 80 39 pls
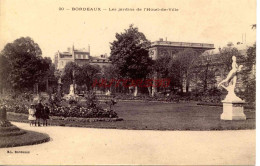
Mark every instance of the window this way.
pixel 84 56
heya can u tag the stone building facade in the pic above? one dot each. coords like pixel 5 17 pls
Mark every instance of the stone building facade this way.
pixel 163 48
pixel 210 61
pixel 218 68
pixel 80 57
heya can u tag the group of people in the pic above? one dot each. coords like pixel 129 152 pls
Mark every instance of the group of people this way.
pixel 37 112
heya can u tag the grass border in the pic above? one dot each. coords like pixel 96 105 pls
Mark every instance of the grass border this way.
pixel 43 138
pixel 14 133
pixel 221 105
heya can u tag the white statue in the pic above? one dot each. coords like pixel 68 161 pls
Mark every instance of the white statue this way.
pixel 72 92
pixel 108 93
pixel 231 80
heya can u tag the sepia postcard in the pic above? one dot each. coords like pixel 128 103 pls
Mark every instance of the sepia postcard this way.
pixel 127 82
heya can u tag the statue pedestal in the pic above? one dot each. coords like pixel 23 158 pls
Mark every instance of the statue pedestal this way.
pixel 233 110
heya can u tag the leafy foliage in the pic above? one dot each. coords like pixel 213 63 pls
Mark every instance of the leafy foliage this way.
pixel 23 65
pixel 88 74
pixel 226 54
pixel 83 75
pixel 129 53
pixel 249 75
pixel 184 62
pixel 204 72
pixel 162 66
pixel 91 100
pixel 58 108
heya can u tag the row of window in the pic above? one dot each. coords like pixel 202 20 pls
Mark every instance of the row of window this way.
pixel 80 56
pixel 63 63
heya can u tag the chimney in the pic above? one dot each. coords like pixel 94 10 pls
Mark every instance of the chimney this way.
pixel 89 49
pixel 161 39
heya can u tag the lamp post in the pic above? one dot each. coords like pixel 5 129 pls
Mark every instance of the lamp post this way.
pixel 58 74
pixel 73 81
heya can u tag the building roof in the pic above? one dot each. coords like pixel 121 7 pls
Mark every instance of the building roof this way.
pixel 183 44
pixel 65 55
pixel 81 50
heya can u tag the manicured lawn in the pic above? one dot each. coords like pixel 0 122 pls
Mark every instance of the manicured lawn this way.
pixel 29 138
pixel 164 116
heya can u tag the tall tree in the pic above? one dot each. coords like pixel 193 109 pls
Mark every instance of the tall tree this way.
pixel 186 60
pixel 111 74
pixel 249 75
pixel 226 54
pixel 175 74
pixel 26 66
pixel 167 67
pixel 50 79
pixel 71 72
pixel 205 74
pixel 129 52
pixel 83 75
pixel 161 66
pixel 4 73
pixel 88 74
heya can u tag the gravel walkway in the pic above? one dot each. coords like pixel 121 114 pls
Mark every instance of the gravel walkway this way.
pixel 71 145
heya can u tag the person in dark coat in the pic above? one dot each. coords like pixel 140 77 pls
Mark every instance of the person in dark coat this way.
pixel 45 114
pixel 38 113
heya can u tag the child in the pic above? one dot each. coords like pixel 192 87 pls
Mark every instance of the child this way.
pixel 32 117
pixel 45 114
pixel 38 113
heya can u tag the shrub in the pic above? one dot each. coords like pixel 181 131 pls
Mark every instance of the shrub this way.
pixel 72 102
pixel 63 108
pixel 91 100
pixel 83 112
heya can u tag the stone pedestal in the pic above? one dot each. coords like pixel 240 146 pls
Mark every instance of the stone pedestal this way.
pixel 2 113
pixel 233 110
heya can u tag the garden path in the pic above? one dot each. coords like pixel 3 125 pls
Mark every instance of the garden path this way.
pixel 71 145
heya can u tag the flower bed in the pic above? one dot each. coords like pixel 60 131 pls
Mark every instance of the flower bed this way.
pixel 63 110
pixel 60 120
pixel 85 119
pixel 83 112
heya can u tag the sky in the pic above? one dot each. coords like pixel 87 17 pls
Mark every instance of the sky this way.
pixel 200 21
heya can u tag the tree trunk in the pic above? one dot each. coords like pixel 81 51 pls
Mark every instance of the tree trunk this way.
pixel 206 79
pixel 136 91
pixel 187 87
pixel 181 86
pixel 36 88
pixel 154 86
pixel 2 90
pixel 149 91
pixel 187 83
pixel 74 86
pixel 59 88
pixel 47 85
